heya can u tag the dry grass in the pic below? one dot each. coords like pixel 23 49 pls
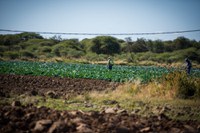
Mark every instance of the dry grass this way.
pixel 172 86
pixel 134 91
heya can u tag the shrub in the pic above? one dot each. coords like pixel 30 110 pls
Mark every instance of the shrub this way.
pixel 3 48
pixel 96 57
pixel 11 54
pixel 131 58
pixel 70 48
pixel 46 42
pixel 28 54
pixel 186 88
pixel 183 85
pixel 45 49
pixel 56 49
pixel 75 53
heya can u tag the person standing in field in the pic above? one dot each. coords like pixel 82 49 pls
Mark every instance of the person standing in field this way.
pixel 110 63
pixel 189 65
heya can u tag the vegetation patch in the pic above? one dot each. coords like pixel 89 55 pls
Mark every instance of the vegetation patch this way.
pixel 90 71
pixel 32 46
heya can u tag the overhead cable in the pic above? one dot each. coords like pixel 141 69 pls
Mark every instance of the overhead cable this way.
pixel 102 34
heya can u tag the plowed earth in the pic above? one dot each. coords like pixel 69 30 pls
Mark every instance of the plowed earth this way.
pixel 18 84
pixel 18 118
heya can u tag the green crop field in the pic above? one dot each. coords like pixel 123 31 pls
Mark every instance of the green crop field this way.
pixel 90 71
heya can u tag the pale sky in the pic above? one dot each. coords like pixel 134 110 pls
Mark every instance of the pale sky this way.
pixel 102 16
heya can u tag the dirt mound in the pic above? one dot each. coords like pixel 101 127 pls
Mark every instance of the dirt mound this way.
pixel 30 118
pixel 41 85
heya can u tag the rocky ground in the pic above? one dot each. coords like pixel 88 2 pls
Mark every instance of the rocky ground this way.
pixel 16 117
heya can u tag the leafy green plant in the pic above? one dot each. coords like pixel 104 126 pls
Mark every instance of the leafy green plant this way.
pixel 92 71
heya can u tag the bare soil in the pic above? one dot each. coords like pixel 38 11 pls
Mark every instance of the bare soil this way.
pixel 20 84
pixel 19 118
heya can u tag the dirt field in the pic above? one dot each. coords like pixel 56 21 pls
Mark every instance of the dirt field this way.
pixel 16 84
pixel 18 118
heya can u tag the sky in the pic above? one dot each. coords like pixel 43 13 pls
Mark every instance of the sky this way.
pixel 102 16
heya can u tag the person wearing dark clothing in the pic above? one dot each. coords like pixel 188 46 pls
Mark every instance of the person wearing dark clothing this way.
pixel 189 65
pixel 110 63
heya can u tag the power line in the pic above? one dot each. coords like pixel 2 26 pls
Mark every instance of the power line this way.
pixel 119 34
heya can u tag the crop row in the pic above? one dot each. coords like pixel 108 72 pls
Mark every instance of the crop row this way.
pixel 91 71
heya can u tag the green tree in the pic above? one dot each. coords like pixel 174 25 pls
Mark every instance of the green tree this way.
pixel 128 40
pixel 168 46
pixel 158 46
pixel 140 45
pixel 105 45
pixel 56 38
pixel 181 43
pixel 129 45
pixel 10 40
pixel 87 44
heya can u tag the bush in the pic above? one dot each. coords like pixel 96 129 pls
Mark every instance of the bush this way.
pixel 3 48
pixel 184 86
pixel 96 57
pixel 11 54
pixel 45 49
pixel 75 53
pixel 28 54
pixel 131 58
pixel 46 42
pixel 56 50
pixel 70 48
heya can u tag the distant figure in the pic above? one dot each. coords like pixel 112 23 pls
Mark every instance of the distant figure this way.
pixel 110 63
pixel 189 65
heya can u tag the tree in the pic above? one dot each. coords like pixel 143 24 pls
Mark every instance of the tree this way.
pixel 56 38
pixel 10 40
pixel 105 45
pixel 128 40
pixel 168 46
pixel 158 46
pixel 181 43
pixel 87 43
pixel 129 43
pixel 140 45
